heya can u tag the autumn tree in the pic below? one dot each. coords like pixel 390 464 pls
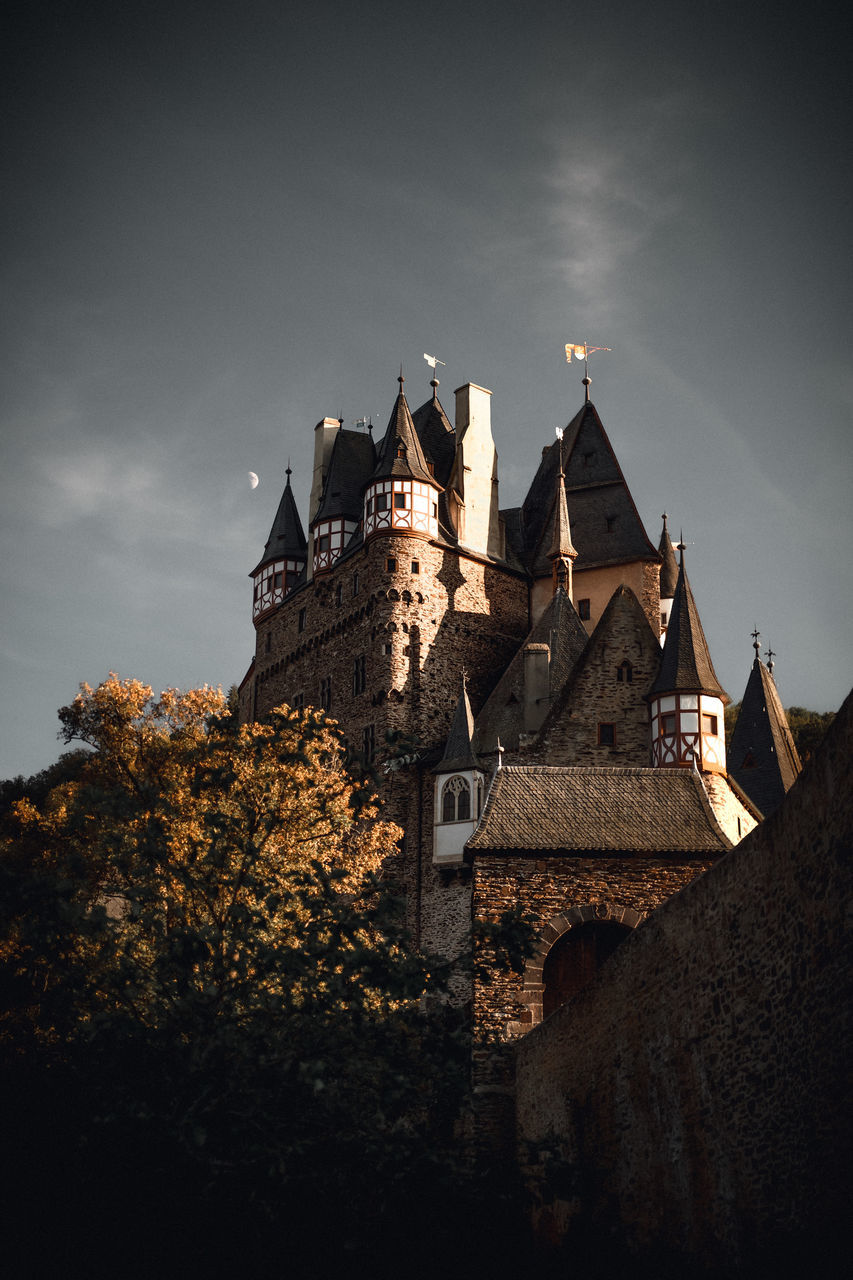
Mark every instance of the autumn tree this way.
pixel 211 1001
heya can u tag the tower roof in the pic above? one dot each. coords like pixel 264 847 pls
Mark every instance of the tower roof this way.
pixel 400 453
pixel 606 527
pixel 762 757
pixel 458 753
pixel 669 568
pixel 685 661
pixel 286 539
pixel 502 716
pixel 353 456
pixel 437 437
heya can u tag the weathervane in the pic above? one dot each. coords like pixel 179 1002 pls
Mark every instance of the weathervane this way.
pixel 582 351
pixel 432 361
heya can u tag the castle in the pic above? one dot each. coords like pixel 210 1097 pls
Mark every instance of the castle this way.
pixel 533 684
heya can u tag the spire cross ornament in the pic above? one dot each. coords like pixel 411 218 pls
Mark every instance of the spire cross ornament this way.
pixel 756 638
pixel 770 656
pixel 582 351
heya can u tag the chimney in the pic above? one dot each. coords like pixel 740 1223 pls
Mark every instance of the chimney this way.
pixel 537 685
pixel 324 438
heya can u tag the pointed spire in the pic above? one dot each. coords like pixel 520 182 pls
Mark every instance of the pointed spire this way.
pixel 685 661
pixel 669 568
pixel 287 539
pixel 763 759
pixel 458 753
pixel 561 537
pixel 400 453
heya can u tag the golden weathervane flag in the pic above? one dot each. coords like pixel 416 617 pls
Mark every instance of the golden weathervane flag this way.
pixel 576 350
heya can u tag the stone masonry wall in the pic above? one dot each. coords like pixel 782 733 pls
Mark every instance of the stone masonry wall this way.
pixel 694 1099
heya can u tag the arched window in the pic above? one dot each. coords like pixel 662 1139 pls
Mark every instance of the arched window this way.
pixel 456 800
pixel 576 958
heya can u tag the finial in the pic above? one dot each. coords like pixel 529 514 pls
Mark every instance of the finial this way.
pixel 663 517
pixel 682 547
pixel 341 417
pixel 582 351
pixel 499 764
pixel 287 470
pixel 401 379
pixel 756 641
pixel 432 361
pixel 770 656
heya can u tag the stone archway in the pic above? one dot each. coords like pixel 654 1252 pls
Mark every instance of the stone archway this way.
pixel 534 971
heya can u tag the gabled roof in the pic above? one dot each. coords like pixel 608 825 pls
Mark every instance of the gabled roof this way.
pixel 685 661
pixel 762 757
pixel 286 540
pixel 400 452
pixel 594 810
pixel 437 437
pixel 669 568
pixel 606 527
pixel 352 460
pixel 623 616
pixel 458 753
pixel 502 715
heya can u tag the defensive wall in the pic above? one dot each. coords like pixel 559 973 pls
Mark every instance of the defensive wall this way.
pixel 688 1112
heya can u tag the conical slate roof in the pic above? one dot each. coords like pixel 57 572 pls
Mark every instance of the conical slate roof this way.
pixel 437 437
pixel 685 661
pixel 606 527
pixel 352 460
pixel 669 568
pixel 762 757
pixel 286 540
pixel 458 753
pixel 400 453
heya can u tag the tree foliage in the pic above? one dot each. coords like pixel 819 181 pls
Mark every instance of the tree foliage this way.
pixel 210 1000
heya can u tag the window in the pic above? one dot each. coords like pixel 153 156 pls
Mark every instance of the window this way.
pixel 607 735
pixel 323 542
pixel 456 800
pixel 589 458
pixel 583 610
pixel 416 566
pixel 663 619
pixel 355 584
pixel 298 701
pixel 667 724
pixel 709 724
pixel 326 693
pixel 401 449
pixel 382 502
pixel 358 675
pixel 277 581
pixel 435 511
pixel 400 500
pixel 625 672
pixel 339 593
pixel 610 522
pixel 387 648
pixel 291 579
pixel 257 589
pixel 301 620
pixel 368 743
pixel 391 564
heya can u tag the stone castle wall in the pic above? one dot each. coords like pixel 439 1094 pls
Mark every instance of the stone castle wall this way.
pixel 690 1109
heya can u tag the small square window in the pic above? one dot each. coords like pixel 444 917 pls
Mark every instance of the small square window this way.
pixel 583 610
pixel 400 500
pixel 667 724
pixel 391 564
pixel 709 724
pixel 606 735
pixel 416 566
pixel 381 501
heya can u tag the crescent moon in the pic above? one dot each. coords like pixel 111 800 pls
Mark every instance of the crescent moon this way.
pixel 253 479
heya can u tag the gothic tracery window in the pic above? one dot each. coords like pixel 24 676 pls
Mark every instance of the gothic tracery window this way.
pixel 456 800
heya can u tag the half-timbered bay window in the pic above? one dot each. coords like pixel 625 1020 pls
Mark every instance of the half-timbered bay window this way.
pixel 403 505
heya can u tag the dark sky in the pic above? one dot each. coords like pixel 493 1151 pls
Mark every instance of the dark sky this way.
pixel 225 221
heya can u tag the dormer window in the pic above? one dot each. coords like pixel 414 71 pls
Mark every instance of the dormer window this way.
pixel 401 449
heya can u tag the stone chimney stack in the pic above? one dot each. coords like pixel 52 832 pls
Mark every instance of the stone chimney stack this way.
pixel 475 473
pixel 324 438
pixel 537 685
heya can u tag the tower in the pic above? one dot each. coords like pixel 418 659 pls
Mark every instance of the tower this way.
pixel 686 700
pixel 282 565
pixel 763 758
